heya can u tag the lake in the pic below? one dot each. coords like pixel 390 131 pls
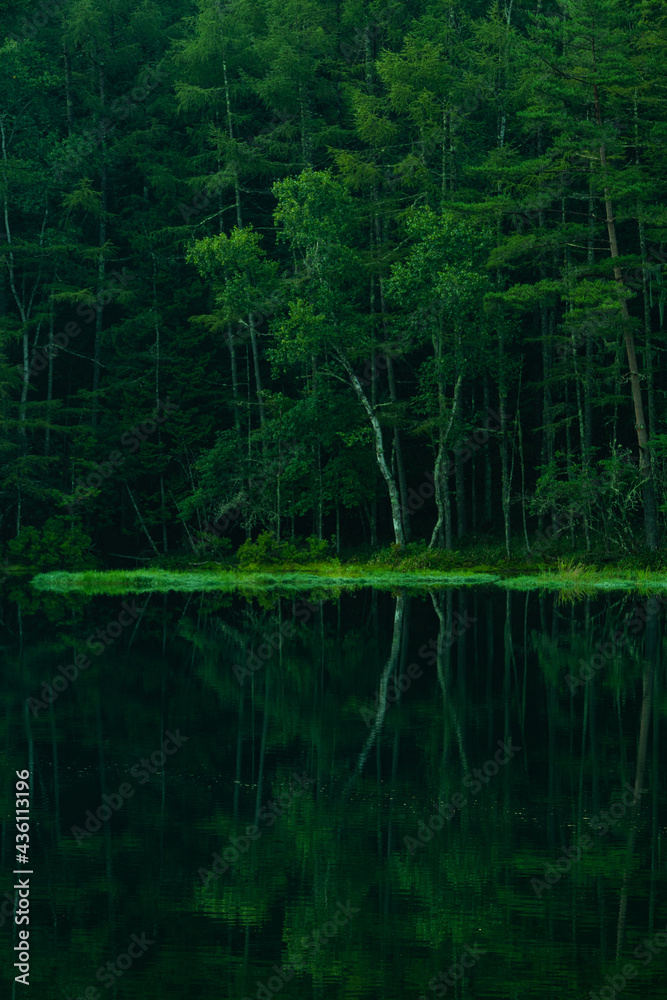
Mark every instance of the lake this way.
pixel 359 795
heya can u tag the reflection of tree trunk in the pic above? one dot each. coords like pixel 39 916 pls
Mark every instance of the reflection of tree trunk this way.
pixel 384 680
pixel 525 676
pixel 490 665
pixel 507 646
pixel 650 659
pixel 239 752
pixel 163 771
pixel 394 760
pixel 107 833
pixel 262 747
pixel 509 662
pixel 595 808
pixel 443 666
pixel 56 782
pixel 461 648
pixel 552 709
pixel 655 762
pixel 390 829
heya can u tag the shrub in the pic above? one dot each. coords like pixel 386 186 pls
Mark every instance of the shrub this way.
pixel 56 545
pixel 266 550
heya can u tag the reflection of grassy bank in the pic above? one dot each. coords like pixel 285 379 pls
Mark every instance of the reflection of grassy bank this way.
pixel 334 575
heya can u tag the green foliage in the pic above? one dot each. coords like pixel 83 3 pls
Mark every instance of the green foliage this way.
pixel 239 269
pixel 244 207
pixel 607 494
pixel 266 550
pixel 56 545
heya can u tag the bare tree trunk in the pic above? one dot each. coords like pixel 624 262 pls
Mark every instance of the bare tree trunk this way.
pixel 396 517
pixel 235 384
pixel 459 481
pixel 239 225
pixel 648 332
pixel 68 89
pixel 650 507
pixel 652 656
pixel 142 523
pixel 488 480
pixel 400 464
pixel 49 382
pixel 101 260
pixel 440 482
pixel 504 454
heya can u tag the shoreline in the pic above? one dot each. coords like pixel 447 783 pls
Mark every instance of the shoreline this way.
pixel 574 580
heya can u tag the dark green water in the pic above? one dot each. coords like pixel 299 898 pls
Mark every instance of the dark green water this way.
pixel 307 829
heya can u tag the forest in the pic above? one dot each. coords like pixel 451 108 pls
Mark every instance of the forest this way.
pixel 329 276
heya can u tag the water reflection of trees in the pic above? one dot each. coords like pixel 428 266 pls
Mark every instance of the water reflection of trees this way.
pixel 503 677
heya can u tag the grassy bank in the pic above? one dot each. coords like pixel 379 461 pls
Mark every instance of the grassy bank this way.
pixel 310 577
pixel 327 576
pixel 268 565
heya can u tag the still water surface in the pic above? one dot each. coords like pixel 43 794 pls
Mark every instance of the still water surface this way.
pixel 365 796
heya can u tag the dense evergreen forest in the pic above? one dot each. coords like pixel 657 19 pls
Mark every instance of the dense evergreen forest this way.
pixel 364 273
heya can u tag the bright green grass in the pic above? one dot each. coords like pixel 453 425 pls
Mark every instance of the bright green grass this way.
pixel 136 581
pixel 337 577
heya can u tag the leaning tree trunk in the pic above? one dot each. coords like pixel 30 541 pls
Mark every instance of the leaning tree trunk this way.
pixel 380 458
